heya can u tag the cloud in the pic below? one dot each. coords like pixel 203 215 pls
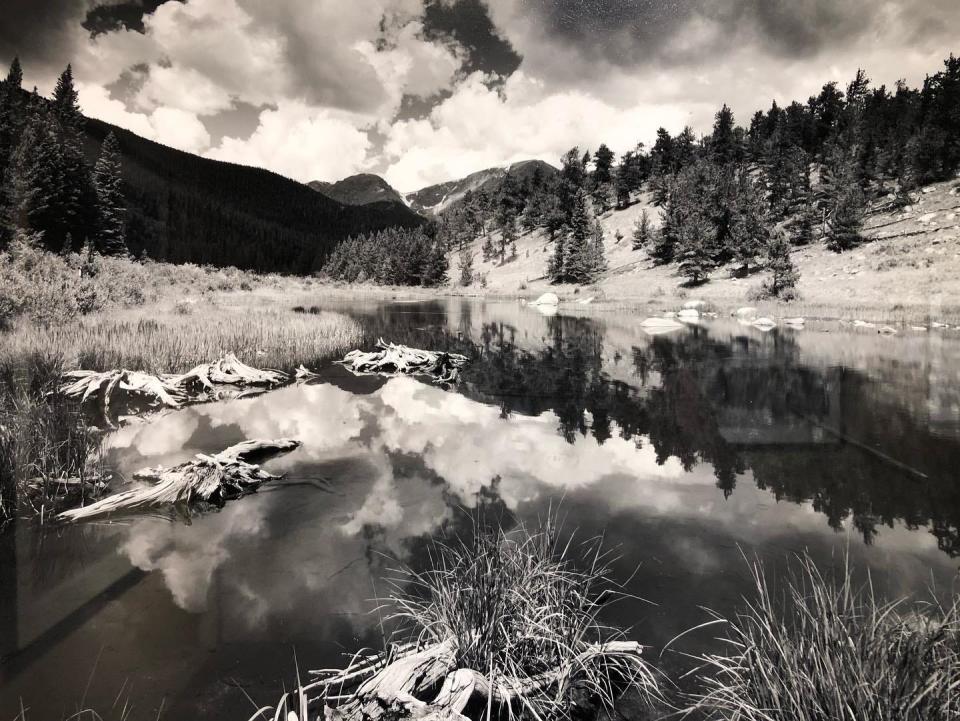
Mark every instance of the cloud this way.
pixel 302 143
pixel 480 126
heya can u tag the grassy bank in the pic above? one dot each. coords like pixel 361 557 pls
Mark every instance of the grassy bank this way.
pixel 123 314
pixel 820 647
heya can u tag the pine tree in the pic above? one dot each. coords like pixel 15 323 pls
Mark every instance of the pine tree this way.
pixel 724 147
pixel 557 263
pixel 599 256
pixel 842 200
pixel 748 227
pixel 465 264
pixel 641 232
pixel 783 273
pixel 579 260
pixel 107 181
pixel 696 249
pixel 487 248
pixel 66 105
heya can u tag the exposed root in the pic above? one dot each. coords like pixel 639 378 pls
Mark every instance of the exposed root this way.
pixel 170 391
pixel 214 479
pixel 393 359
pixel 395 690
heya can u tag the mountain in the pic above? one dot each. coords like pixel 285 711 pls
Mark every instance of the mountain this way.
pixel 186 209
pixel 434 199
pixel 362 189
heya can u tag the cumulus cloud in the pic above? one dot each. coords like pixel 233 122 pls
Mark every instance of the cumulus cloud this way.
pixel 301 142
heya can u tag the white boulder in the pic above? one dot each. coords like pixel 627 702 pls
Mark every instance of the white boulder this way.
pixel 689 314
pixel 764 324
pixel 547 299
pixel 697 305
pixel 746 312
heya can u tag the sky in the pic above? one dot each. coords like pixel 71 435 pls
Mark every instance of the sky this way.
pixel 424 91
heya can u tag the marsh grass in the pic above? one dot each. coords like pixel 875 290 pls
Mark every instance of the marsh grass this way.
pixel 823 648
pixel 521 605
pixel 49 455
pixel 44 436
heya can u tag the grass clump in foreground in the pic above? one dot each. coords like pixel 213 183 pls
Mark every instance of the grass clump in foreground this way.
pixel 501 624
pixel 826 649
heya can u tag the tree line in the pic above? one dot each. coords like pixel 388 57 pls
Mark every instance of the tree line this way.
pixel 741 195
pixel 49 191
pixel 393 256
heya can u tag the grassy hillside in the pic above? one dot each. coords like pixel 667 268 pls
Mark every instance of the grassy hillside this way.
pixel 912 261
pixel 184 208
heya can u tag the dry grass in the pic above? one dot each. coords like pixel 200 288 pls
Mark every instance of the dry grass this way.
pixel 825 649
pixel 519 605
pixel 158 342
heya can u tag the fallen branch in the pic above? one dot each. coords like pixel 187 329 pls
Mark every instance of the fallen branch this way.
pixel 394 359
pixel 214 479
pixel 229 370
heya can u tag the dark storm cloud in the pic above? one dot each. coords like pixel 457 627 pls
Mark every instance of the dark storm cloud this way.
pixel 120 16
pixel 468 23
pixel 40 31
pixel 633 32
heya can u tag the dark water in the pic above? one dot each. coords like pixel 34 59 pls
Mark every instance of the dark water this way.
pixel 686 451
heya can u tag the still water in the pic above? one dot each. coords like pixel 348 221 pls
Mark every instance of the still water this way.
pixel 688 452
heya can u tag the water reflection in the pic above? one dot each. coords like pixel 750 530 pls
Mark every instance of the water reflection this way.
pixel 685 450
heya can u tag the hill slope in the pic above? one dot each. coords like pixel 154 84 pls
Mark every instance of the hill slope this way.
pixel 184 208
pixel 913 257
pixel 434 199
pixel 362 189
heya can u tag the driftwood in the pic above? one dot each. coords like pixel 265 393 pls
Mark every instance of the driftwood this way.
pixel 392 687
pixel 171 391
pixel 214 479
pixel 394 359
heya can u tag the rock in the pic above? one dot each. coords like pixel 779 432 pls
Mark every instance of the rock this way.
pixel 919 328
pixel 688 314
pixel 863 324
pixel 936 324
pixel 586 301
pixel 929 189
pixel 926 218
pixel 764 324
pixel 794 321
pixel 697 305
pixel 547 299
pixel 887 330
pixel 660 324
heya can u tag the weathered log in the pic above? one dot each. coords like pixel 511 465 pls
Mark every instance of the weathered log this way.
pixel 394 359
pixel 215 479
pixel 171 391
pixel 229 370
pixel 394 689
pixel 104 386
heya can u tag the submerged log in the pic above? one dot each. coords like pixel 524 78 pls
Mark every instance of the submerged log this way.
pixel 394 359
pixel 215 479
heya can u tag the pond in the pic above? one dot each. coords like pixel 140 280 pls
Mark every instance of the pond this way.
pixel 691 453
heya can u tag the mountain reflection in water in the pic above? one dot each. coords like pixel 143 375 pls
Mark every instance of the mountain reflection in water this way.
pixel 686 451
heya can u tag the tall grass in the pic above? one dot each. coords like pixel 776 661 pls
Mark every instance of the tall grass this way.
pixel 519 606
pixel 170 342
pixel 49 456
pixel 825 649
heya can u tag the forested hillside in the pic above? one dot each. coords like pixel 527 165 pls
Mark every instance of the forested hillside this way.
pixel 172 206
pixel 744 196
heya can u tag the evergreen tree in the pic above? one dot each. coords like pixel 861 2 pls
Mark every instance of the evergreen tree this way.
pixel 66 105
pixel 557 263
pixel 599 256
pixel 783 274
pixel 724 147
pixel 696 249
pixel 107 181
pixel 842 200
pixel 748 230
pixel 641 232
pixel 465 263
pixel 579 260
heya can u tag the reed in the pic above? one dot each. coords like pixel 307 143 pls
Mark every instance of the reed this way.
pixel 825 648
